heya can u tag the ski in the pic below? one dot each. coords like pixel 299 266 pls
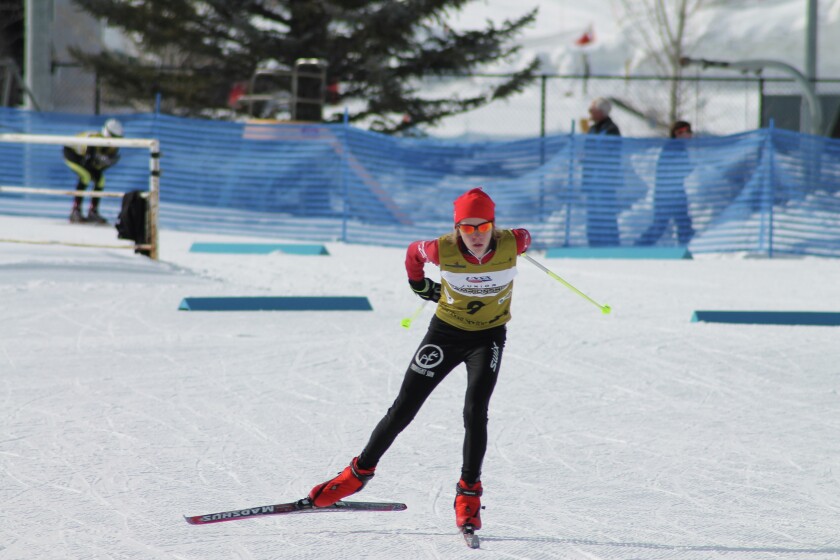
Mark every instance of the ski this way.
pixel 300 506
pixel 470 537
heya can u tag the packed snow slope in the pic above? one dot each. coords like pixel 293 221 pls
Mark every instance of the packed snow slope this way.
pixel 634 435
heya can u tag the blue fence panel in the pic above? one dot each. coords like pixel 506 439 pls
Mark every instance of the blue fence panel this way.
pixel 766 191
pixel 806 194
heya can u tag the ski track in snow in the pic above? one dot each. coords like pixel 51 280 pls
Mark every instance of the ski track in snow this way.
pixel 638 435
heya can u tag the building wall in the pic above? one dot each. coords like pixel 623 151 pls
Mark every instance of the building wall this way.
pixel 53 26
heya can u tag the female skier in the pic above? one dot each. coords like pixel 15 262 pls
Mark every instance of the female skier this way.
pixel 477 266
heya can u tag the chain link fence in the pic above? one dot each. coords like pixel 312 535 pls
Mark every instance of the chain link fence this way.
pixel 644 106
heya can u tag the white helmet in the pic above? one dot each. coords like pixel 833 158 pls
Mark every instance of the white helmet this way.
pixel 112 129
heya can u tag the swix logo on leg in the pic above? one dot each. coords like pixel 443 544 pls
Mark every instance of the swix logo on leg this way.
pixel 494 361
pixel 427 357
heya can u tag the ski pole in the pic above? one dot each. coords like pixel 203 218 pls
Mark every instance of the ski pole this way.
pixel 406 323
pixel 605 309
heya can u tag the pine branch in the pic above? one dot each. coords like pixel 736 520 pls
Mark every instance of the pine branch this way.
pixel 379 51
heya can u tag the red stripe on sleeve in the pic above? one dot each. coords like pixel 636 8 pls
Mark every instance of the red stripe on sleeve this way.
pixel 417 255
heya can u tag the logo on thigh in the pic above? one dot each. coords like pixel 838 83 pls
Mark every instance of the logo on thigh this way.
pixel 494 361
pixel 427 357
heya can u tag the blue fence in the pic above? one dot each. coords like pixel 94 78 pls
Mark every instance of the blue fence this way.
pixel 767 191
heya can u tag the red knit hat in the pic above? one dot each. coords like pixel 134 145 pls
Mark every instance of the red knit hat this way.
pixel 474 204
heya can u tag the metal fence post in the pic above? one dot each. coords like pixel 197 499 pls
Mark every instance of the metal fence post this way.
pixel 760 101
pixel 542 146
pixel 771 157
pixel 570 186
pixel 766 194
pixel 343 163
pixel 542 105
pixel 541 209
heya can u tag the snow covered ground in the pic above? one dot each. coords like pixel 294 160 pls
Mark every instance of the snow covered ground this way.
pixel 635 435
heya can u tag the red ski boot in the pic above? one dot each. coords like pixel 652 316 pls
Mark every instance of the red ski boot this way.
pixel 351 480
pixel 468 504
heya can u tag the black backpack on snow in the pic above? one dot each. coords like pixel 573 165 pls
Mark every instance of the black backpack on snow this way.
pixel 131 223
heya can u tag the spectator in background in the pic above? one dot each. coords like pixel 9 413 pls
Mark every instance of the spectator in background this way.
pixel 601 172
pixel 669 198
pixel 89 164
pixel 599 118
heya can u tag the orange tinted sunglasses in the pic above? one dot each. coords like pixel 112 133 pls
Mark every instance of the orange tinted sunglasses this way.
pixel 483 227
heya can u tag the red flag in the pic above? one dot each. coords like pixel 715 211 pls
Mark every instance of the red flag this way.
pixel 587 37
pixel 237 90
pixel 333 92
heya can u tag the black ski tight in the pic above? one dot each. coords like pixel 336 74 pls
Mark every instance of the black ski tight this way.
pixel 443 348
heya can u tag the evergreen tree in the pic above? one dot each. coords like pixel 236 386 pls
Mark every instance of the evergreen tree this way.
pixel 377 51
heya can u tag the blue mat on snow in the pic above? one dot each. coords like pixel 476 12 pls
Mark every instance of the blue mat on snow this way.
pixel 289 303
pixel 811 318
pixel 258 248
pixel 618 253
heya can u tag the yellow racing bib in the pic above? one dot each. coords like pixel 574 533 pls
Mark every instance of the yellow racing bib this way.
pixel 475 297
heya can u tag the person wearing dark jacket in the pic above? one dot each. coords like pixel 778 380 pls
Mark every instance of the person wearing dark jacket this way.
pixel 669 198
pixel 601 174
pixel 599 116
